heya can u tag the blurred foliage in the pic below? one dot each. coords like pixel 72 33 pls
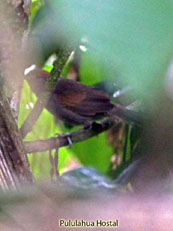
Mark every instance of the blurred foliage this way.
pixel 130 38
pixel 91 69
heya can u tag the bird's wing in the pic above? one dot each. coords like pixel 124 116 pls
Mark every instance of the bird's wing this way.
pixel 86 102
pixel 71 98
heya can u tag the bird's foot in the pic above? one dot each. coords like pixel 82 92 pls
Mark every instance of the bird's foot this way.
pixel 95 126
pixel 67 136
pixel 69 142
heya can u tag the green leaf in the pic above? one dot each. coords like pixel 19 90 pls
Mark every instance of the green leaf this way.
pixel 44 128
pixel 35 6
pixel 94 152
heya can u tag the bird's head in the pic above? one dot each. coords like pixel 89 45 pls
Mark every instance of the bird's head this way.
pixel 37 79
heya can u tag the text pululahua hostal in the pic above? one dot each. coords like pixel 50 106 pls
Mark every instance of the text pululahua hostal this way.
pixel 87 223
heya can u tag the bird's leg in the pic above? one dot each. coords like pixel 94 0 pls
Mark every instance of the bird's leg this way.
pixel 67 136
pixel 69 142
pixel 95 126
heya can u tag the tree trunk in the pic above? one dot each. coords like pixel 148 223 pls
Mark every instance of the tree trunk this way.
pixel 14 165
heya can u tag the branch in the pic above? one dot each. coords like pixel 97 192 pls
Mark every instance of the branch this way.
pixel 75 136
pixel 46 93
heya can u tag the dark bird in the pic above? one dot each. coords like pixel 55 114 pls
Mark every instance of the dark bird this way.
pixel 74 102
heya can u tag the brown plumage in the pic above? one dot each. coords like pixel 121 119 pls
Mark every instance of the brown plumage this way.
pixel 72 101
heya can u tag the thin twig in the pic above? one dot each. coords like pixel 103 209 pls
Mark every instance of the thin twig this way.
pixel 54 173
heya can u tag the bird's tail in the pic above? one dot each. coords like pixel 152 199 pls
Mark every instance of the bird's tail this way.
pixel 129 116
